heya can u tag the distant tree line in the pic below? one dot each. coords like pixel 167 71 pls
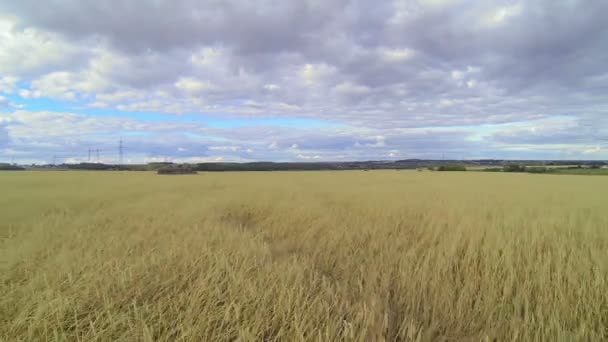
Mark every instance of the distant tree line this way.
pixel 448 167
pixel 10 167
pixel 520 168
pixel 266 166
pixel 90 166
pixel 452 167
pixel 180 170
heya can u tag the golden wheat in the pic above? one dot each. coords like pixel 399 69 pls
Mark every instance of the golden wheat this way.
pixel 296 256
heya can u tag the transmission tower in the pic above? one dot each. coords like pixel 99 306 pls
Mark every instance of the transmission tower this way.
pixel 96 151
pixel 120 152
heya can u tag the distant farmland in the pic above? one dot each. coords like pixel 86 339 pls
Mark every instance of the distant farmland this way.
pixel 325 256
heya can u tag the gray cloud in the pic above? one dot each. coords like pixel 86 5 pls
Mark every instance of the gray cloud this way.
pixel 161 25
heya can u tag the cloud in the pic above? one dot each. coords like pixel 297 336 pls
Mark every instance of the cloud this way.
pixel 8 84
pixel 4 137
pixel 374 68
pixel 31 51
pixel 308 157
pixel 4 103
pixel 348 88
pixel 193 86
pixel 182 23
pixel 225 148
pixel 397 55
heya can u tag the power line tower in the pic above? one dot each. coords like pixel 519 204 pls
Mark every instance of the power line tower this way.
pixel 120 152
pixel 97 154
pixel 93 155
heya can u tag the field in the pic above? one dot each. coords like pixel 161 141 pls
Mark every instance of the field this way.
pixel 294 256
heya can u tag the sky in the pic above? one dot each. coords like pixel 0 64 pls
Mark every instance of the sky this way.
pixel 307 80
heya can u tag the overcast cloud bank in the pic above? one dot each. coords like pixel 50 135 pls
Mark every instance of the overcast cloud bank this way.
pixel 242 80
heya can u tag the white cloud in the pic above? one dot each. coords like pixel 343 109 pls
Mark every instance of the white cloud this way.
pixel 29 94
pixel 308 157
pixel 397 55
pixel 445 103
pixel 58 85
pixel 193 86
pixel 594 150
pixel 285 107
pixel 313 74
pixel 500 15
pixel 28 51
pixel 154 105
pixel 98 104
pixel 121 96
pixel 225 148
pixel 271 87
pixel 439 3
pixel 208 56
pixel 349 88
pixel 457 75
pixel 66 85
pixel 8 84
pixel 379 141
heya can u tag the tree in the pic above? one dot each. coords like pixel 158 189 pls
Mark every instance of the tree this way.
pixel 537 169
pixel 9 167
pixel 452 167
pixel 514 168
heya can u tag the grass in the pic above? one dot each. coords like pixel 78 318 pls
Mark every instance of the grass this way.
pixel 294 256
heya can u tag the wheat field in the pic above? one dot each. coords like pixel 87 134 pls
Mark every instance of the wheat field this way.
pixel 303 256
